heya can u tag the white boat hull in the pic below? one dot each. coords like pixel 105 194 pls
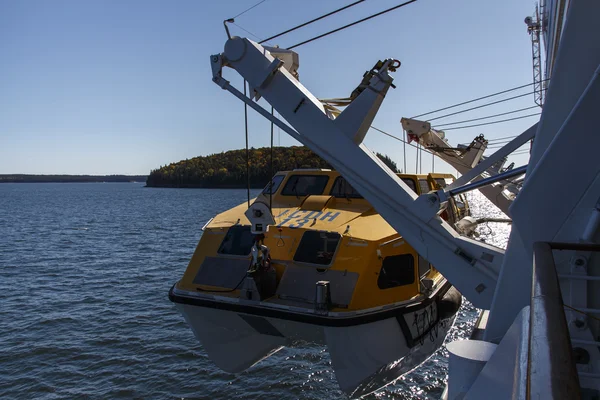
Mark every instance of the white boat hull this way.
pixel 380 354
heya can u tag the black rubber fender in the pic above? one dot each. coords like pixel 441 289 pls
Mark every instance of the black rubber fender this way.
pixel 449 304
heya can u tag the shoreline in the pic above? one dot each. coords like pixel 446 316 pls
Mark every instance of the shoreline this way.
pixel 60 178
pixel 253 187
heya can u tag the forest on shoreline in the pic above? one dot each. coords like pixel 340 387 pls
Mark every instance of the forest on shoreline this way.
pixel 228 169
pixel 221 170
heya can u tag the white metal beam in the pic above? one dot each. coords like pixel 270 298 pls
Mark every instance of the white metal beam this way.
pixel 494 158
pixel 463 161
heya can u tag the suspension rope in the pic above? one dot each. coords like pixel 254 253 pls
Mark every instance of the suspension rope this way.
pixel 483 105
pixel 278 133
pixel 271 178
pixel 248 9
pixel 477 99
pixel 514 153
pixel 496 141
pixel 582 312
pixel 417 160
pixel 397 138
pixel 501 144
pixel 310 22
pixel 351 24
pixel 489 116
pixel 410 144
pixel 246 30
pixel 498 148
pixel 494 122
pixel 503 138
pixel 404 145
pixel 247 151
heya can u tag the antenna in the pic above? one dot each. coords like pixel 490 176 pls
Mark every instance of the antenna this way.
pixel 534 28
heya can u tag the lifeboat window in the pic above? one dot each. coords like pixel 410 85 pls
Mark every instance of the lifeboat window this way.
pixel 441 182
pixel 410 183
pixel 317 247
pixel 424 267
pixel 396 271
pixel 341 188
pixel 460 202
pixel 238 241
pixel 272 186
pixel 303 185
pixel 424 185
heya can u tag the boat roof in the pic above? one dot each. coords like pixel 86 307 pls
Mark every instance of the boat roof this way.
pixel 328 204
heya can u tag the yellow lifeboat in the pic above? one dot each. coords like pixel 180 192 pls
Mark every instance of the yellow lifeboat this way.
pixel 327 270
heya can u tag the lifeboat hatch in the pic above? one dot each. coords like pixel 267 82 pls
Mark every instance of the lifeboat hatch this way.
pixel 225 273
pixel 317 202
pixel 297 285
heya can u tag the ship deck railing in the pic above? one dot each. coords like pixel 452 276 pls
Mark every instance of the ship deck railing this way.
pixel 551 367
pixel 535 359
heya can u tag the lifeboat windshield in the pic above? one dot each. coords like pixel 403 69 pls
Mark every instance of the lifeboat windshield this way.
pixel 341 188
pixel 237 242
pixel 304 185
pixel 272 186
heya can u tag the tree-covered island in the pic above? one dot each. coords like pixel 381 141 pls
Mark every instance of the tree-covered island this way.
pixel 228 169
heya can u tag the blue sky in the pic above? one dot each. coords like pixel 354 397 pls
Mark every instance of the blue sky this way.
pixel 110 87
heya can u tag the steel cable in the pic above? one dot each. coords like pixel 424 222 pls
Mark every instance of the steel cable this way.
pixel 351 24
pixel 310 22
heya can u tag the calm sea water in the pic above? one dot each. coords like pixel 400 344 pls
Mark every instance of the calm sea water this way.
pixel 84 275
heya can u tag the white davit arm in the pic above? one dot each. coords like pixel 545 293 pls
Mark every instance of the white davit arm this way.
pixel 469 160
pixel 471 266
